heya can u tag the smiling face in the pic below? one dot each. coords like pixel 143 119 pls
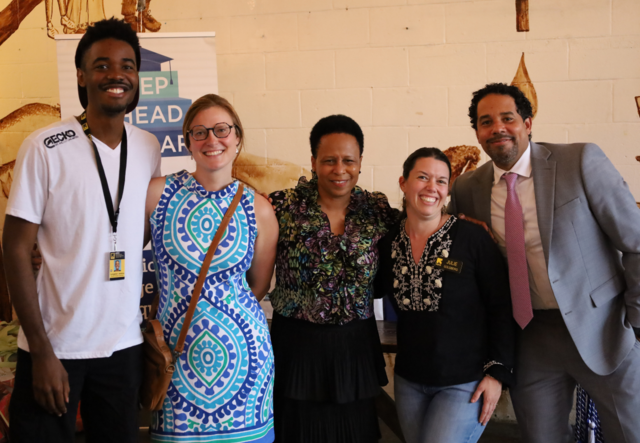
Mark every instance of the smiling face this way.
pixel 212 153
pixel 110 74
pixel 502 132
pixel 426 188
pixel 337 164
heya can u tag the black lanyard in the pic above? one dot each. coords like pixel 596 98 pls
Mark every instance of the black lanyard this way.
pixel 113 215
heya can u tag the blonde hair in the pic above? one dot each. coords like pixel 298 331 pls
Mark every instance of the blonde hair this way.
pixel 211 101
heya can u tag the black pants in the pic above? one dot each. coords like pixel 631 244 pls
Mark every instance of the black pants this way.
pixel 107 387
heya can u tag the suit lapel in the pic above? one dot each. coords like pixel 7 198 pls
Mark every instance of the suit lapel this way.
pixel 482 192
pixel 544 183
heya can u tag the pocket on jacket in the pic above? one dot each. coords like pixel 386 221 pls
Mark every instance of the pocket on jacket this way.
pixel 608 290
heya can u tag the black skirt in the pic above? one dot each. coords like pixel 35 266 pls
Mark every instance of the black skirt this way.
pixel 326 380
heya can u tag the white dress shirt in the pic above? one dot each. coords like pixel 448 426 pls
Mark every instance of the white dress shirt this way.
pixel 542 296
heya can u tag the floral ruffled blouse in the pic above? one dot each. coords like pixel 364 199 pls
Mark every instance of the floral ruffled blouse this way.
pixel 321 277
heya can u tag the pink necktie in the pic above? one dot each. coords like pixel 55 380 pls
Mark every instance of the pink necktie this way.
pixel 516 256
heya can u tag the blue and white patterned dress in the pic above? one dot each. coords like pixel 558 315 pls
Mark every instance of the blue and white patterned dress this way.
pixel 222 388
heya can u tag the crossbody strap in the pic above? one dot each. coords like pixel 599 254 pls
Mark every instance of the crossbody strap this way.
pixel 204 270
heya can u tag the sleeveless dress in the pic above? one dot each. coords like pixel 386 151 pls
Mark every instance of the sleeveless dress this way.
pixel 222 388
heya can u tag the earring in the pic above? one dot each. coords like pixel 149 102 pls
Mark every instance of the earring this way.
pixel 360 172
pixel 314 176
pixel 237 151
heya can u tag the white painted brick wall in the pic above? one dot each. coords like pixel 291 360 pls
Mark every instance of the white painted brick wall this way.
pixel 407 25
pixel 372 68
pixel 301 70
pixel 404 69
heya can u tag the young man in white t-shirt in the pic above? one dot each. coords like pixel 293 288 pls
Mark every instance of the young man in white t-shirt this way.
pixel 80 191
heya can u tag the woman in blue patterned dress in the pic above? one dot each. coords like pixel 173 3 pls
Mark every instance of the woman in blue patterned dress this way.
pixel 222 388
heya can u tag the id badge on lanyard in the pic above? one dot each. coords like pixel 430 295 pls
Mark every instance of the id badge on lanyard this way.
pixel 116 258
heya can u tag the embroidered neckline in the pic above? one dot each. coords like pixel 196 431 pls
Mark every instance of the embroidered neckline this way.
pixel 418 286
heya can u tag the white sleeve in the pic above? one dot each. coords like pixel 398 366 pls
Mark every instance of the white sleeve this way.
pixel 29 190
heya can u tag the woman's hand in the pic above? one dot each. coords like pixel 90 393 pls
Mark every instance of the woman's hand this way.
pixel 492 389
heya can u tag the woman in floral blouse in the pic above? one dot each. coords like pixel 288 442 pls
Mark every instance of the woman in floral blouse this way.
pixel 329 364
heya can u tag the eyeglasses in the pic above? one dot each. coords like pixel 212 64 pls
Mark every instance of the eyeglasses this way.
pixel 220 130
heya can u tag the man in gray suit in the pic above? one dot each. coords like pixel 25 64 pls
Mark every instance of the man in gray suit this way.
pixel 580 268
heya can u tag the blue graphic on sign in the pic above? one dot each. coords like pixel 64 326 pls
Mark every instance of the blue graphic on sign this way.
pixel 160 110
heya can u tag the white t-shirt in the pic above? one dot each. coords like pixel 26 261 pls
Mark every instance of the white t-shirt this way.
pixel 56 185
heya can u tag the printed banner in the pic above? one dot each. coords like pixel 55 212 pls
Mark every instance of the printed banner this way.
pixel 175 70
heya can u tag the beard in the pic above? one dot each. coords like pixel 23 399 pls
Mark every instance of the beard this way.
pixel 503 156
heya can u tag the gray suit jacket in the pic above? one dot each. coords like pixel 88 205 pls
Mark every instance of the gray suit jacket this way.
pixel 590 230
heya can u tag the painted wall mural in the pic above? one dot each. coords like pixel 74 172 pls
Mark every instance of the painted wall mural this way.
pixel 75 15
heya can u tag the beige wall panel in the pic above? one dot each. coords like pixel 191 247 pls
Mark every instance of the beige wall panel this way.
pixel 546 60
pixel 38 80
pixel 300 70
pixel 268 33
pixel 605 58
pixel 258 7
pixel 386 146
pixel 291 145
pixel 569 18
pixel 626 16
pixel 447 65
pixel 459 99
pixel 255 143
pixel 10 83
pixel 31 45
pixel 408 25
pixel 385 180
pixel 574 102
pixel 343 4
pixel 241 72
pixel 220 25
pixel 342 28
pixel 356 103
pixel 372 67
pixel 410 107
pixel 624 104
pixel 483 21
pixel 422 2
pixel 366 178
pixel 268 109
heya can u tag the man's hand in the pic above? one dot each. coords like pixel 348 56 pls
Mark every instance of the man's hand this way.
pixel 461 216
pixel 491 389
pixel 36 258
pixel 50 383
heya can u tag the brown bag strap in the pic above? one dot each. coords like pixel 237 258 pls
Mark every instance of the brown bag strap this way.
pixel 204 270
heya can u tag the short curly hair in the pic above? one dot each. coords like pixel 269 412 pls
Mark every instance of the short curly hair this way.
pixel 523 105
pixel 102 30
pixel 335 124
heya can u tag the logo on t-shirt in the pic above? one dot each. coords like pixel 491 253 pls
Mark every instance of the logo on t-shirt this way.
pixel 61 137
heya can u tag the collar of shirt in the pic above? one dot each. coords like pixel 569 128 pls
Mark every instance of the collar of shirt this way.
pixel 522 167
